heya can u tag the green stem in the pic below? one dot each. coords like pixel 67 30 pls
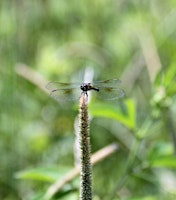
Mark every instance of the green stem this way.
pixel 86 168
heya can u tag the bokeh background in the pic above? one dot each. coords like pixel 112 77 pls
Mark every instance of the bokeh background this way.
pixel 66 41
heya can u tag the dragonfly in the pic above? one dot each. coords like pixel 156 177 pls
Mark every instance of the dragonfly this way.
pixel 108 90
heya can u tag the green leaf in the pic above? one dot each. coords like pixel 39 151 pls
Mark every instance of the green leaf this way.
pixel 42 174
pixel 144 198
pixel 165 161
pixel 125 115
pixel 160 149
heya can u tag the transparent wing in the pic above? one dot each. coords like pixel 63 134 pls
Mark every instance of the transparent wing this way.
pixel 65 94
pixel 107 83
pixel 64 91
pixel 114 83
pixel 108 89
pixel 110 93
pixel 57 85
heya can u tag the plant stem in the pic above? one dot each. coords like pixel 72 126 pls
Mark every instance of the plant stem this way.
pixel 86 168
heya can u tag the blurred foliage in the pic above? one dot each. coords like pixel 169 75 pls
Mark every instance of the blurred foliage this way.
pixel 62 41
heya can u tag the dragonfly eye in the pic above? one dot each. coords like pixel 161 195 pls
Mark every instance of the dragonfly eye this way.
pixel 84 87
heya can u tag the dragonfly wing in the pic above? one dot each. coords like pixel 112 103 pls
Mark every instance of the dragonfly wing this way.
pixel 56 85
pixel 65 94
pixel 110 93
pixel 107 83
pixel 108 89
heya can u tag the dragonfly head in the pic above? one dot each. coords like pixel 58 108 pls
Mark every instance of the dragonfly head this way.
pixel 85 87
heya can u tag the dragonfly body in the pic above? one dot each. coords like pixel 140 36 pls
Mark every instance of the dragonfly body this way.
pixel 87 86
pixel 108 89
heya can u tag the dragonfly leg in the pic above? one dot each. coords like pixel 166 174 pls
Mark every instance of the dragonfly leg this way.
pixel 84 93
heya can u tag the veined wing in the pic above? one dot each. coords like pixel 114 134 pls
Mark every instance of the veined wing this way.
pixel 107 83
pixel 108 89
pixel 65 94
pixel 110 93
pixel 58 85
pixel 112 83
pixel 64 91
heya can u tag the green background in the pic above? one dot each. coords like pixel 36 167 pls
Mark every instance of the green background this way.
pixel 62 40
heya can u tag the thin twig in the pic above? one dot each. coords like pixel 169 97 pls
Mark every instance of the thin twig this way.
pixel 32 76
